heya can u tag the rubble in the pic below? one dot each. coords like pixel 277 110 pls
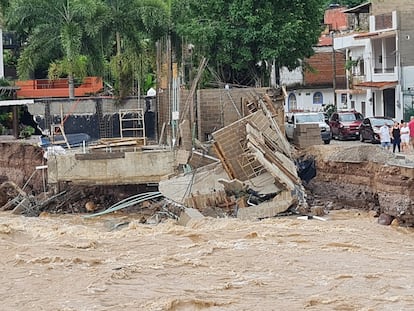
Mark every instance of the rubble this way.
pixel 248 170
pixel 255 176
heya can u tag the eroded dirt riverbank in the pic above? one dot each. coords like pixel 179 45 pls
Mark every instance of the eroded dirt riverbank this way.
pixel 64 262
pixel 348 262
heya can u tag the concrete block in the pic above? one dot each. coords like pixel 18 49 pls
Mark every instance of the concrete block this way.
pixel 264 210
pixel 189 214
pixel 278 205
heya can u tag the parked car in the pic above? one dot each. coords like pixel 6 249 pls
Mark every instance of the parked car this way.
pixel 345 124
pixel 370 128
pixel 308 118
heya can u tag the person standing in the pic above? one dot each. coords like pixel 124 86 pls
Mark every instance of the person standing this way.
pixel 411 127
pixel 405 136
pixel 396 137
pixel 385 137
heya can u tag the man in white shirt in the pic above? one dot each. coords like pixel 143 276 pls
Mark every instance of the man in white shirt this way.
pixel 385 137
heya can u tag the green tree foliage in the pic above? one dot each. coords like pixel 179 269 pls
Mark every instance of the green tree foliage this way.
pixel 243 37
pixel 54 33
pixel 132 28
pixel 77 37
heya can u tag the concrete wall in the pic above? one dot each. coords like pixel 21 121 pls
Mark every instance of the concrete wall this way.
pixel 221 107
pixel 406 38
pixel 379 7
pixel 98 117
pixel 125 168
pixel 215 108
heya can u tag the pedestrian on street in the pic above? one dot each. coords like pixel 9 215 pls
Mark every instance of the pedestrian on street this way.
pixel 405 136
pixel 385 137
pixel 396 137
pixel 411 127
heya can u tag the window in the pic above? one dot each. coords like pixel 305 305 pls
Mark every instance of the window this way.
pixel 317 98
pixel 363 108
pixel 292 104
pixel 361 68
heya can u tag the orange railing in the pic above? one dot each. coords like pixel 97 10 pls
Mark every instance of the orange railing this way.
pixel 57 88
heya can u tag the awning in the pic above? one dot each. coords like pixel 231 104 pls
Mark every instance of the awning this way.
pixel 350 91
pixel 362 8
pixel 376 85
pixel 376 35
pixel 17 102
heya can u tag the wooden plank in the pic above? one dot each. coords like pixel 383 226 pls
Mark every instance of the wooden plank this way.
pixel 162 134
pixel 227 166
pixel 118 144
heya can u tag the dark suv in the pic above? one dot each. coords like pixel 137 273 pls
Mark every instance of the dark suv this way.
pixel 345 124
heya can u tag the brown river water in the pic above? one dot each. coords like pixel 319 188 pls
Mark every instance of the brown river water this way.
pixel 67 262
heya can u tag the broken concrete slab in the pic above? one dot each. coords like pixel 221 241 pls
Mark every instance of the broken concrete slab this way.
pixel 189 214
pixel 269 209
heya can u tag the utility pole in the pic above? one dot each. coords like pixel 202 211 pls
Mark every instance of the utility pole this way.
pixel 334 69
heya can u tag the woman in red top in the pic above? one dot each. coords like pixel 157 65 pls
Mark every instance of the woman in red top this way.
pixel 411 127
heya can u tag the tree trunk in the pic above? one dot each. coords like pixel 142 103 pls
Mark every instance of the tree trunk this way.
pixel 71 83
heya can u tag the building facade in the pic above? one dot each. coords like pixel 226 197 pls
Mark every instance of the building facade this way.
pixel 380 61
pixel 312 86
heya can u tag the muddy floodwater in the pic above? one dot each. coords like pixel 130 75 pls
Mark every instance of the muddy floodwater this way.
pixel 348 262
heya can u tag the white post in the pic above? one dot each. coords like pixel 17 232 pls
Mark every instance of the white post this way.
pixel 1 54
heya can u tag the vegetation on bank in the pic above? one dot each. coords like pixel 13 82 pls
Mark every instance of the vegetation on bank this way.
pixel 116 39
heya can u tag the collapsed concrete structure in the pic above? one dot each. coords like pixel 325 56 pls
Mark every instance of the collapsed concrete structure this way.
pixel 247 170
pixel 254 175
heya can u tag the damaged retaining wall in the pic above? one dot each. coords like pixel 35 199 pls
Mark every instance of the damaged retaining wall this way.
pixel 365 177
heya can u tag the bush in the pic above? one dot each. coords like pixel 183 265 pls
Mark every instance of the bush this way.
pixel 26 131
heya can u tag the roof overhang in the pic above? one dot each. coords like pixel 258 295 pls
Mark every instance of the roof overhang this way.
pixel 376 85
pixel 16 102
pixel 350 91
pixel 362 8
pixel 375 35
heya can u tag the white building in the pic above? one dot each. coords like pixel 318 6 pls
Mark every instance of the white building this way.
pixel 380 63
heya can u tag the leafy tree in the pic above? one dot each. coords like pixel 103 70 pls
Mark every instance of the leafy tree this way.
pixel 242 38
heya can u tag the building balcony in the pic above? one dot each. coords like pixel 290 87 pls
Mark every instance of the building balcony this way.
pixel 57 88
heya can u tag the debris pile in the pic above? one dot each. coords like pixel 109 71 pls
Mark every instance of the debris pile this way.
pixel 254 175
pixel 91 201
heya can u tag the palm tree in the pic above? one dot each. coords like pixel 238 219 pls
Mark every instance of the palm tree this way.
pixel 134 26
pixel 55 32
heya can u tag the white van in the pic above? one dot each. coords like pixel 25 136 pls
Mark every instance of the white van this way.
pixel 308 118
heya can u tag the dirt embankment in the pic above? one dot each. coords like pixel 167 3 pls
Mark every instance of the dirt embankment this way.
pixel 18 163
pixel 364 177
